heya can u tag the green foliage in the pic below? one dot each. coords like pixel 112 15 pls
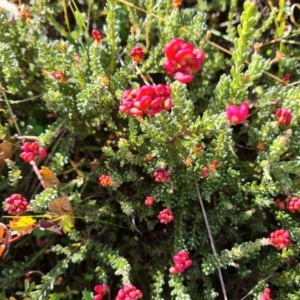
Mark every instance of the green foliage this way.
pixel 117 239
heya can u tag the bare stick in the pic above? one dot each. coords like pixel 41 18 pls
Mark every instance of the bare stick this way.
pixel 211 239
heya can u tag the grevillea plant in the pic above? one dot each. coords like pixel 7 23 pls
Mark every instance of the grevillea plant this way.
pixel 148 151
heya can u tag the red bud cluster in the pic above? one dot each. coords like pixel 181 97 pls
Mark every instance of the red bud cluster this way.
pixel 129 292
pixel 280 239
pixel 101 290
pixel 147 100
pixel 32 151
pixel 16 204
pixel 165 216
pixel 105 180
pixel 293 204
pixel 59 76
pixel 97 36
pixel 182 261
pixel 149 201
pixel 137 53
pixel 182 59
pixel 161 175
pixel 284 116
pixel 237 114
pixel 266 295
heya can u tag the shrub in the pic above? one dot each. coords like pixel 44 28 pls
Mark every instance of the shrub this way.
pixel 208 126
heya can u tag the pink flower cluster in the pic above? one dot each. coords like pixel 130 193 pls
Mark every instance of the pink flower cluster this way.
pixel 129 292
pixel 161 175
pixel 147 100
pixel 105 180
pixel 97 36
pixel 266 295
pixel 101 290
pixel 280 239
pixel 237 114
pixel 149 201
pixel 137 54
pixel 293 204
pixel 182 261
pixel 284 116
pixel 165 216
pixel 59 76
pixel 32 151
pixel 16 204
pixel 182 59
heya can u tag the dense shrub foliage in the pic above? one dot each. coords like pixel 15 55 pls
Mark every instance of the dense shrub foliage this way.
pixel 150 150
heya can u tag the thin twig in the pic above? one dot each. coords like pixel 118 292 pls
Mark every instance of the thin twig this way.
pixel 10 110
pixel 211 239
pixel 265 279
pixel 25 100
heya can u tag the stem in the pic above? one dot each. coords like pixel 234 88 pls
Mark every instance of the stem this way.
pixel 37 172
pixel 10 110
pixel 211 239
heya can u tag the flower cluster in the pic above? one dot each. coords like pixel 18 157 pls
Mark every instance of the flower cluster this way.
pixel 101 290
pixel 284 116
pixel 165 216
pixel 266 295
pixel 147 100
pixel 59 76
pixel 161 175
pixel 182 261
pixel 182 59
pixel 293 204
pixel 105 180
pixel 137 53
pixel 129 292
pixel 97 36
pixel 237 114
pixel 212 167
pixel 16 204
pixel 149 201
pixel 280 204
pixel 280 239
pixel 32 151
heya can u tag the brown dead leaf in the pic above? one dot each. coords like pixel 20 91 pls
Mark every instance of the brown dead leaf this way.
pixel 6 149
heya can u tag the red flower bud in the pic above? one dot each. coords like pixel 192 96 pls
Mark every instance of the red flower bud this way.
pixel 284 116
pixel 280 239
pixel 166 216
pixel 237 115
pixel 137 53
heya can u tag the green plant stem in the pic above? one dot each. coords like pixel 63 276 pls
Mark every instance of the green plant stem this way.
pixel 211 239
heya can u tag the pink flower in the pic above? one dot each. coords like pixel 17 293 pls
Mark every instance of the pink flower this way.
pixel 16 204
pixel 137 53
pixel 97 36
pixel 148 100
pixel 182 59
pixel 165 216
pixel 280 239
pixel 105 180
pixel 182 261
pixel 59 76
pixel 149 201
pixel 204 172
pixel 266 295
pixel 280 204
pixel 293 204
pixel 101 290
pixel 284 116
pixel 161 175
pixel 237 115
pixel 129 292
pixel 32 151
